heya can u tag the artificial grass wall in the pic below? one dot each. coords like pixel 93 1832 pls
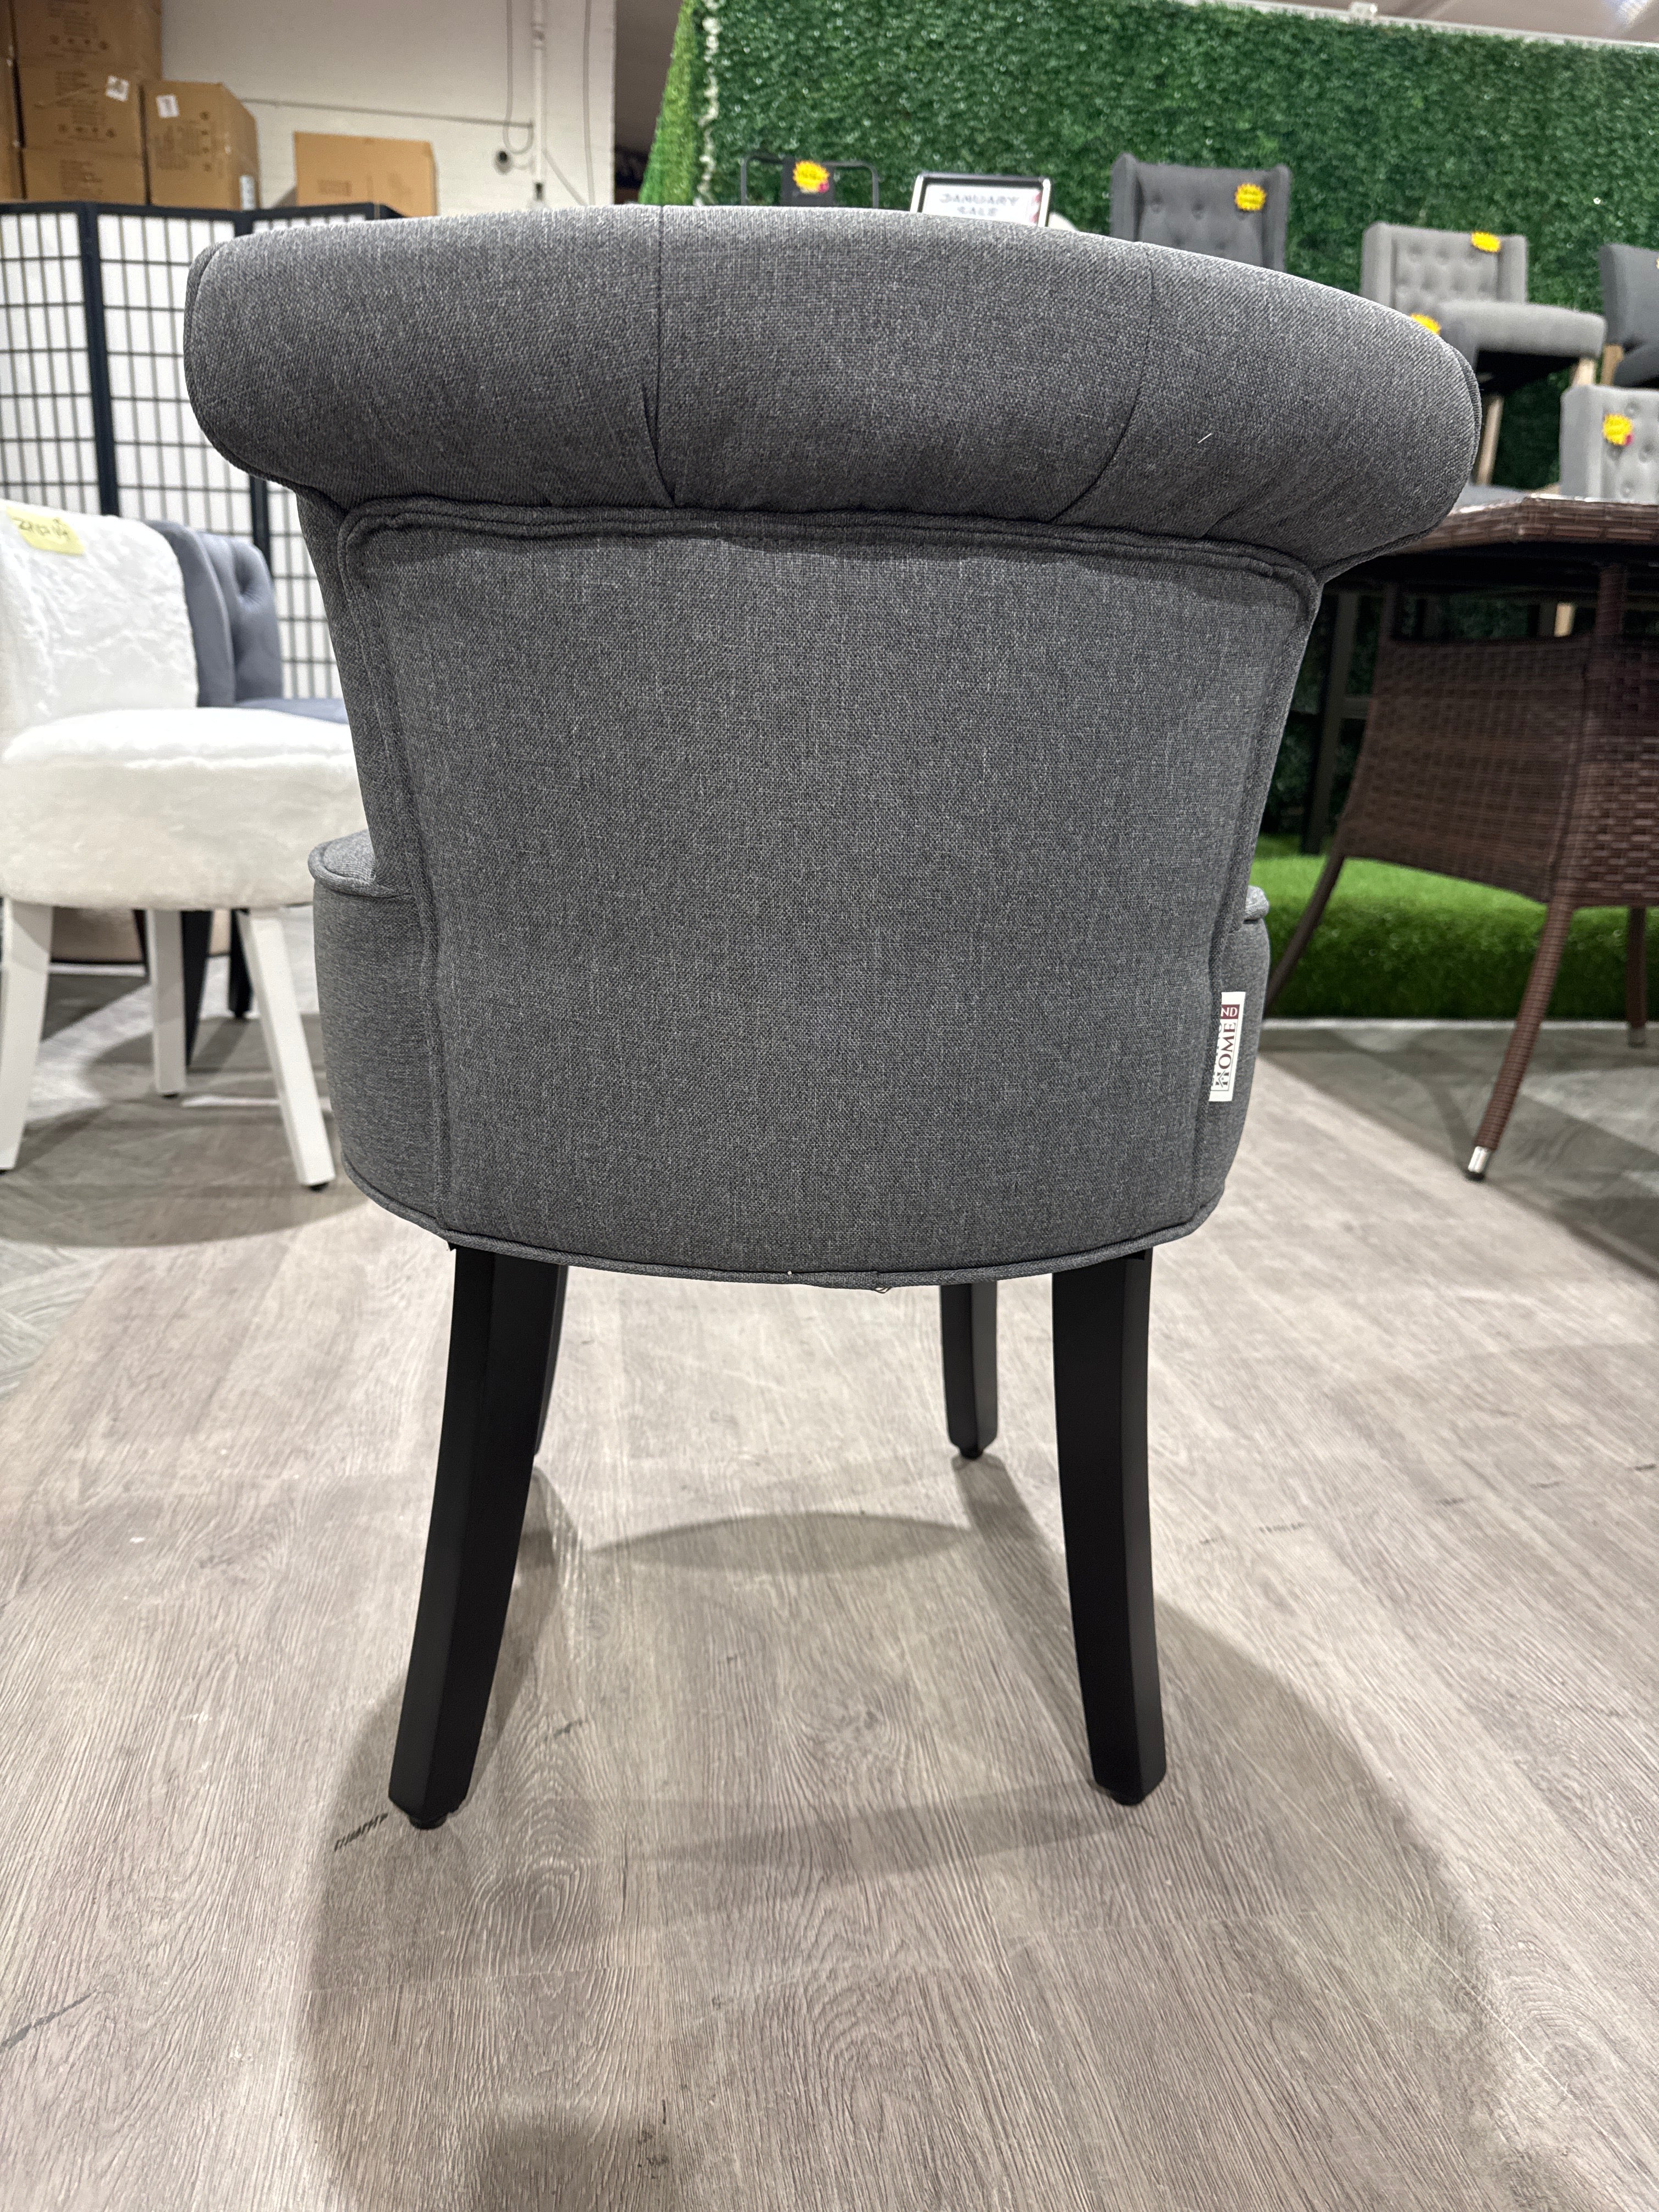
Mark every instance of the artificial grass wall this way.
pixel 1389 120
pixel 1397 942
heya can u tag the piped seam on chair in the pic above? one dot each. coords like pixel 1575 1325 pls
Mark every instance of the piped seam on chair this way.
pixel 1148 300
pixel 865 1279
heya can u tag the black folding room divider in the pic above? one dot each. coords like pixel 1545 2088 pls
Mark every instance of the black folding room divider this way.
pixel 94 415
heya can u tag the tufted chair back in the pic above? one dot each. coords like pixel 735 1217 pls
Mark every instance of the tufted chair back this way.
pixel 1237 215
pixel 1610 444
pixel 233 616
pixel 1423 272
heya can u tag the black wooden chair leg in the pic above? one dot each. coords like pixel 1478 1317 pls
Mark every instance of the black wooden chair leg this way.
pixel 240 985
pixel 968 1332
pixel 195 935
pixel 502 1344
pixel 1100 1316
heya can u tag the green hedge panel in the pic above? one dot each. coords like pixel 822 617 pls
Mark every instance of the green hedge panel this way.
pixel 1386 120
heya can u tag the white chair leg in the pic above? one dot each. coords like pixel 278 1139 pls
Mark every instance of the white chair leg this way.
pixel 164 939
pixel 286 1048
pixel 25 957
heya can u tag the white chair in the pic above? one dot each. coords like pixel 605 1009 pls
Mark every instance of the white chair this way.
pixel 118 790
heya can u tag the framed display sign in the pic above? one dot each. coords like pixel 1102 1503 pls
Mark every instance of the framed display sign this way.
pixel 983 199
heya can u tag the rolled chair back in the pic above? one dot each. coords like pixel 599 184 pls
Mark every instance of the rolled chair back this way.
pixel 1610 444
pixel 1423 272
pixel 815 687
pixel 1236 215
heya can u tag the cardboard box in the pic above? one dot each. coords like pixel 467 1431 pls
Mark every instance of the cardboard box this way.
pixel 203 147
pixel 123 35
pixel 81 173
pixel 74 104
pixel 330 170
pixel 11 148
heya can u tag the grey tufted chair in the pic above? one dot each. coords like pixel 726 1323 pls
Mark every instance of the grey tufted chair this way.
pixel 815 687
pixel 1472 287
pixel 1630 295
pixel 1160 203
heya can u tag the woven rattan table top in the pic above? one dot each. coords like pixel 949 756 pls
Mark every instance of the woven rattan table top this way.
pixel 1544 545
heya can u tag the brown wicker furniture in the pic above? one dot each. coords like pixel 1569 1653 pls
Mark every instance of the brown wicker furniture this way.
pixel 1531 763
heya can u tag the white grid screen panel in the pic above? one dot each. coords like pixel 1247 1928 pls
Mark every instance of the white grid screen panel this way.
pixel 166 470
pixel 48 452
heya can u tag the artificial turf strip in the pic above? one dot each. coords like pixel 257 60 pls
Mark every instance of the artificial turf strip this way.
pixel 1397 942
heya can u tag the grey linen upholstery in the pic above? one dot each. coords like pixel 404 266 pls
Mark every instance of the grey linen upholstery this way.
pixel 813 714
pixel 1594 468
pixel 233 616
pixel 1629 297
pixel 1479 298
pixel 1161 204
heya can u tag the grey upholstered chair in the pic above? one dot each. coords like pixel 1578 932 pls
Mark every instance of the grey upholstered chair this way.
pixel 1630 300
pixel 1471 286
pixel 814 686
pixel 1237 215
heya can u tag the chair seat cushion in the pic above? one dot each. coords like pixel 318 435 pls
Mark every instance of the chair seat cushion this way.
pixel 1549 335
pixel 172 807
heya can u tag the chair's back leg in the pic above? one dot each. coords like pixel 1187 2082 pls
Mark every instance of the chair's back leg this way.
pixel 503 1344
pixel 1100 1318
pixel 967 1336
pixel 284 1035
pixel 1296 942
pixel 1534 1004
pixel 25 960
pixel 195 936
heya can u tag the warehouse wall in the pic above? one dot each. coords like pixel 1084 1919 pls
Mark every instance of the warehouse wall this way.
pixel 413 69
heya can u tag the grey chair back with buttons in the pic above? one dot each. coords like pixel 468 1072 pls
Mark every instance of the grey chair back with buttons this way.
pixel 1423 272
pixel 1610 444
pixel 1235 215
pixel 1630 300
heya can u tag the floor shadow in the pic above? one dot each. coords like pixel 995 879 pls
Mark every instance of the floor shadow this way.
pixel 1582 1143
pixel 524 2009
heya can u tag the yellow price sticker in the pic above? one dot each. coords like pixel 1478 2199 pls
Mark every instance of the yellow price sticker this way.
pixel 1428 323
pixel 1618 430
pixel 1485 241
pixel 810 177
pixel 1250 197
pixel 47 533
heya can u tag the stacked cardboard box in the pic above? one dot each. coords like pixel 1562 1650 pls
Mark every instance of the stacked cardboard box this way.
pixel 204 147
pixel 81 65
pixel 100 121
pixel 331 170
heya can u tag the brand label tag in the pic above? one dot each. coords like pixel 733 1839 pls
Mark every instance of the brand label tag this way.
pixel 47 533
pixel 1225 1074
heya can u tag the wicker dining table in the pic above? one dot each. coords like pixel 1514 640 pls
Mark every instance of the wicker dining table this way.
pixel 1528 763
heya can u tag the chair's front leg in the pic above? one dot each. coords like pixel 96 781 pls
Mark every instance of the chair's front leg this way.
pixel 967 1337
pixel 24 962
pixel 286 1048
pixel 1100 1319
pixel 503 1341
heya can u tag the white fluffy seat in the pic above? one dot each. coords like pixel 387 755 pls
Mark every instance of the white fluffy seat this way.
pixel 117 790
pixel 170 807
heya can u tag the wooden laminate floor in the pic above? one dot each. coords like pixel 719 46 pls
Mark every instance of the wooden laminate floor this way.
pixel 782 1884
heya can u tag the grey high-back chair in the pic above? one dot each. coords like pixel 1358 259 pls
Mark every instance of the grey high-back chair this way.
pixel 1630 302
pixel 813 723
pixel 1624 466
pixel 1471 286
pixel 1199 210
